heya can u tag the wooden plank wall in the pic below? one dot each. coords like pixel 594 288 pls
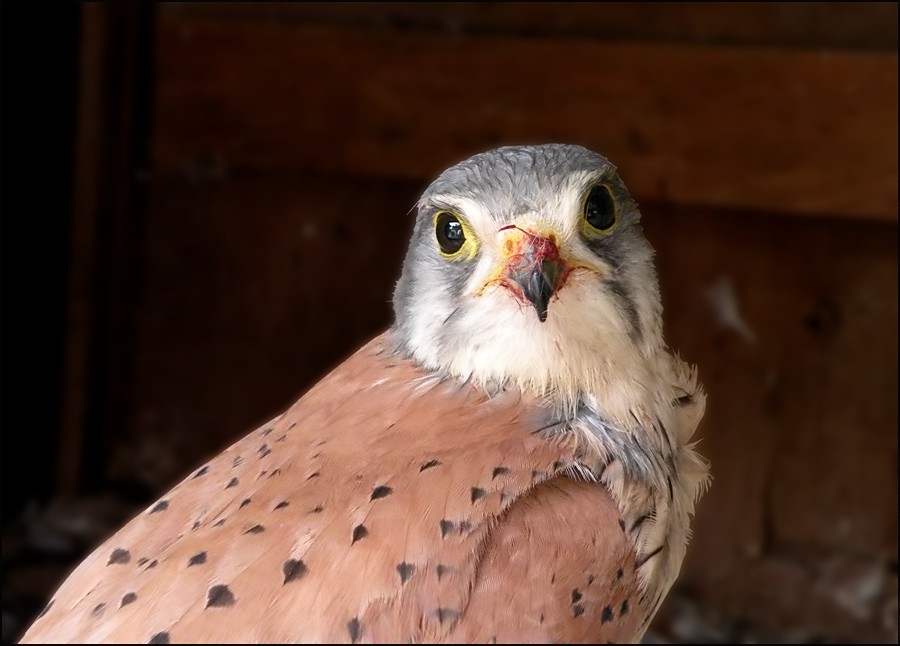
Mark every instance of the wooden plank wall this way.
pixel 792 130
pixel 290 141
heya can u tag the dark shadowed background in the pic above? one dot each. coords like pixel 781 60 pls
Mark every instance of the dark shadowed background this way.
pixel 205 207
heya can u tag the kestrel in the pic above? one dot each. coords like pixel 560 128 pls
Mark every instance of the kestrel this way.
pixel 509 462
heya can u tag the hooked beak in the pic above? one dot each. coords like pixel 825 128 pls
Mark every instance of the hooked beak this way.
pixel 534 269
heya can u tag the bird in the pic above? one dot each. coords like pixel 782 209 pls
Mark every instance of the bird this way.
pixel 511 461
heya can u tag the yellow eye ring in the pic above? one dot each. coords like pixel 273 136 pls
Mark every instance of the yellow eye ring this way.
pixel 454 235
pixel 598 211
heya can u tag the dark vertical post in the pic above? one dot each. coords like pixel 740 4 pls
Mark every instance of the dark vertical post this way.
pixel 111 160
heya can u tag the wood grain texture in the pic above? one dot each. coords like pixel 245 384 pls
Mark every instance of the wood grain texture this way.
pixel 800 520
pixel 110 158
pixel 827 25
pixel 790 131
pixel 251 290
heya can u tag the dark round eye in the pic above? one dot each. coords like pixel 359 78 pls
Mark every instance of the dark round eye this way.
pixel 449 231
pixel 599 209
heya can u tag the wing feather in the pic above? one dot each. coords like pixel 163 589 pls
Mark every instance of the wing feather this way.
pixel 382 506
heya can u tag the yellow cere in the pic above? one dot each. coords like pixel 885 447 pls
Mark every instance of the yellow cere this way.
pixel 514 238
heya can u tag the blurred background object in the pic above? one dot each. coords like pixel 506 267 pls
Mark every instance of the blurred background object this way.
pixel 205 207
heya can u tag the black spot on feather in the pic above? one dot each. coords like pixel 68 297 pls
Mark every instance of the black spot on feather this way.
pixel 447 526
pixel 119 557
pixel 197 559
pixel 640 521
pixel 478 493
pixel 219 596
pixel 607 615
pixel 232 483
pixel 293 569
pixel 162 505
pixel 405 570
pixel 159 638
pixel 641 561
pixel 381 492
pixel 359 532
pixel 354 629
pixel 430 464
pixel 129 597
pixel 202 472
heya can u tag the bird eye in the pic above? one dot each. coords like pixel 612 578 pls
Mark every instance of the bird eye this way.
pixel 449 232
pixel 599 209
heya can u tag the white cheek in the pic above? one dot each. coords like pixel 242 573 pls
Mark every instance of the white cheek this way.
pixel 499 338
pixel 488 263
pixel 496 337
pixel 432 309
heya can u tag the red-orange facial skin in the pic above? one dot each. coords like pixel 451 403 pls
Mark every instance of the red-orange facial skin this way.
pixel 534 271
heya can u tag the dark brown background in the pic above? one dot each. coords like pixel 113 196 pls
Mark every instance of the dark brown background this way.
pixel 206 206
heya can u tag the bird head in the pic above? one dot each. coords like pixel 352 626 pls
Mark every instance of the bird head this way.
pixel 527 266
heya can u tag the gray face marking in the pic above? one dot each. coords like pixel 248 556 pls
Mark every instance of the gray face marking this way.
pixel 517 179
pixel 639 459
pixel 437 298
pixel 508 182
pixel 627 305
